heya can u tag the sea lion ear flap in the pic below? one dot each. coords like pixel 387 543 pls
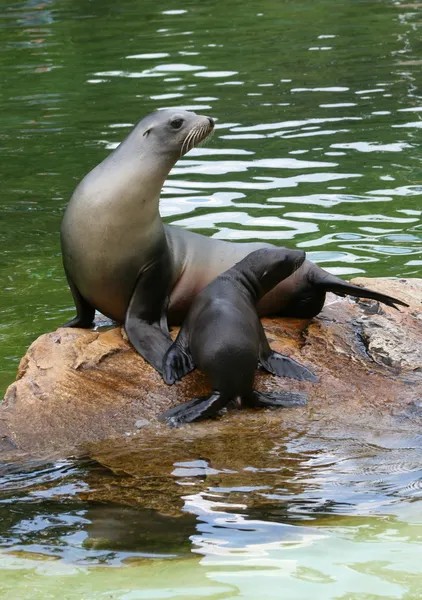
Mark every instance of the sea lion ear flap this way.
pixel 147 132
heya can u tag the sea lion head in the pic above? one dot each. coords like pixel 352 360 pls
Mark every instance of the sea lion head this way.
pixel 174 132
pixel 266 267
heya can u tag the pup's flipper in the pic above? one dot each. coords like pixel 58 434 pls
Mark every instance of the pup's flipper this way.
pixel 177 363
pixel 277 399
pixel 194 410
pixel 283 366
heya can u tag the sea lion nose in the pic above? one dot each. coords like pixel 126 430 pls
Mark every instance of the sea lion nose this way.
pixel 211 121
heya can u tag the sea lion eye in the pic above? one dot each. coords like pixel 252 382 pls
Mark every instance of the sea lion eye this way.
pixel 176 123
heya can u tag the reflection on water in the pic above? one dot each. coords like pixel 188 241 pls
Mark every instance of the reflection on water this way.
pixel 317 145
pixel 321 514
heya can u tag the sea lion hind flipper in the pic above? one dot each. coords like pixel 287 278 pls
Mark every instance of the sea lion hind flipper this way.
pixel 283 366
pixel 177 363
pixel 194 410
pixel 85 312
pixel 331 283
pixel 277 399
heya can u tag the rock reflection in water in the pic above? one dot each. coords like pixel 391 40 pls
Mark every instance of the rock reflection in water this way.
pixel 300 504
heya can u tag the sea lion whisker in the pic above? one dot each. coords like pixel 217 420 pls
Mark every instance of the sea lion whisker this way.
pixel 187 144
pixel 204 131
pixel 196 138
pixel 205 139
pixel 193 139
pixel 182 149
pixel 188 140
pixel 201 135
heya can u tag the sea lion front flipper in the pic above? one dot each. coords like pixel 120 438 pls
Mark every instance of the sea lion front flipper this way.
pixel 194 410
pixel 84 311
pixel 164 325
pixel 148 340
pixel 177 363
pixel 145 320
pixel 277 399
pixel 280 365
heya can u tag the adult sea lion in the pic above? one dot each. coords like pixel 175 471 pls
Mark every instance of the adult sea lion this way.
pixel 121 259
pixel 223 336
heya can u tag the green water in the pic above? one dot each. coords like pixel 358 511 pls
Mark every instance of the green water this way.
pixel 318 145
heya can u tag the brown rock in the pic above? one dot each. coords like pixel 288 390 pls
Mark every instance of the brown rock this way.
pixel 76 386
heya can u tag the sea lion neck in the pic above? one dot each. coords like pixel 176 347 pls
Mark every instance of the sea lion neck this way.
pixel 246 282
pixel 128 181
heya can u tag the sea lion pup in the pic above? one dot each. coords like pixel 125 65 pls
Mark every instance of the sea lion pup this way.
pixel 121 259
pixel 223 336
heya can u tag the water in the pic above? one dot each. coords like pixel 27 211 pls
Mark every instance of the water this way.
pixel 318 108
pixel 276 514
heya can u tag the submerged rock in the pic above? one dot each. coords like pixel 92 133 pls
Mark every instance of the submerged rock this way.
pixel 77 386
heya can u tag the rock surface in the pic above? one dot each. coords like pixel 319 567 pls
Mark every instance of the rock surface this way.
pixel 76 386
